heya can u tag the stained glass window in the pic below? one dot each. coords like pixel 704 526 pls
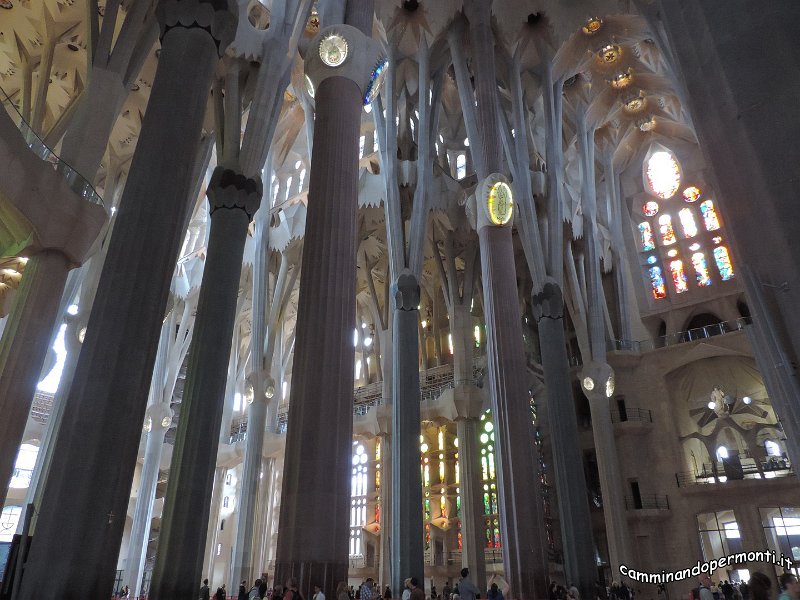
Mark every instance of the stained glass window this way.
pixel 678 276
pixel 701 269
pixel 650 209
pixel 662 174
pixel 688 222
pixel 723 261
pixel 358 498
pixel 647 236
pixel 710 219
pixel 657 283
pixel 691 194
pixel 651 260
pixel 488 476
pixel 667 232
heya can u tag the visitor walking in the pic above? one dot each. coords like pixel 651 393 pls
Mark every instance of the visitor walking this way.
pixel 407 589
pixel 318 595
pixel 495 593
pixel 417 593
pixel 242 591
pixel 467 589
pixel 760 586
pixel 205 593
pixel 342 592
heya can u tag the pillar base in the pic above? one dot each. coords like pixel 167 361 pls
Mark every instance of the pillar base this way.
pixel 308 573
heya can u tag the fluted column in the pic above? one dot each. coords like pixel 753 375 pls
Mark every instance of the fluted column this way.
pixel 521 513
pixel 385 566
pixel 213 521
pixel 159 419
pixel 473 521
pixel 315 500
pixel 82 516
pixel 407 526
pixel 233 200
pixel 573 502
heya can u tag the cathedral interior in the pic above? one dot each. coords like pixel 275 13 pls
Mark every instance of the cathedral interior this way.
pixel 549 240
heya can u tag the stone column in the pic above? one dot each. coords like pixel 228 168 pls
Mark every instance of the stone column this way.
pixel 573 503
pixel 385 566
pixel 521 518
pixel 597 380
pixel 159 419
pixel 407 527
pixel 233 199
pixel 315 499
pixel 213 521
pixel 473 522
pixel 81 519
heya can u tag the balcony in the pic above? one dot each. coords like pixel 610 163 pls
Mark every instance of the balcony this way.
pixel 632 420
pixel 652 506
pixel 681 337
pixel 750 469
pixel 491 555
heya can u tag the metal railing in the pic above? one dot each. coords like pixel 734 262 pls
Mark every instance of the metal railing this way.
pixel 648 502
pixel 630 414
pixel 680 337
pixel 76 182
pixel 715 474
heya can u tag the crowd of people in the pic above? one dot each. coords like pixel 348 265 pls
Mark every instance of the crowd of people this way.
pixel 759 587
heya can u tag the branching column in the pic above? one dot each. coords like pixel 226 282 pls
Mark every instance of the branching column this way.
pixel 82 517
pixel 315 501
pixel 234 200
pixel 521 519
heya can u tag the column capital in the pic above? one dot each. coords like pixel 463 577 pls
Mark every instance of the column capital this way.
pixel 549 302
pixel 405 291
pixel 159 417
pixel 230 189
pixel 344 51
pixel 597 381
pixel 211 15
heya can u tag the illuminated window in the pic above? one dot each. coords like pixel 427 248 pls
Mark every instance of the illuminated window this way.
pixel 722 453
pixel 647 236
pixel 678 276
pixel 657 283
pixel 301 182
pixel 23 468
pixel 461 166
pixel 688 222
pixel 8 522
pixel 362 140
pixel 289 188
pixel 375 140
pixel 710 219
pixel 667 232
pixel 732 530
pixel 723 261
pixel 701 269
pixel 489 481
pixel 358 498
pixel 772 448
pixel 650 209
pixel 662 173
pixel 691 194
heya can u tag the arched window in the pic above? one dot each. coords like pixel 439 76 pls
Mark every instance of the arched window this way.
pixel 662 172
pixel 489 478
pixel 723 261
pixel 288 187
pixel 688 222
pixel 667 232
pixel 358 498
pixel 772 448
pixel 678 276
pixel 646 234
pixel 362 140
pixel 710 220
pixel 23 469
pixel 301 182
pixel 461 166
pixel 701 269
pixel 657 283
pixel 722 453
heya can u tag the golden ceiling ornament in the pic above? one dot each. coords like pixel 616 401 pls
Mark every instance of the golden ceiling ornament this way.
pixel 609 54
pixel 634 103
pixel 621 80
pixel 592 26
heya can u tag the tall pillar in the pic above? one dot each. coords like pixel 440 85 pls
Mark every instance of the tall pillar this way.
pixel 158 420
pixel 407 553
pixel 473 522
pixel 521 512
pixel 213 521
pixel 385 565
pixel 233 199
pixel 315 500
pixel 573 502
pixel 82 516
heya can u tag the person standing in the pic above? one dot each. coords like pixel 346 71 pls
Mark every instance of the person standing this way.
pixel 760 586
pixel 291 592
pixel 221 594
pixel 495 593
pixel 417 593
pixel 318 595
pixel 205 593
pixel 790 587
pixel 407 589
pixel 447 590
pixel 366 589
pixel 387 593
pixel 342 592
pixel 467 589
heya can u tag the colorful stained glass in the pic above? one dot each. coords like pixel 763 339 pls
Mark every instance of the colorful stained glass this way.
pixel 710 219
pixel 723 261
pixel 657 282
pixel 667 232
pixel 650 209
pixel 691 194
pixel 426 475
pixel 647 236
pixel 688 222
pixel 651 260
pixel 663 174
pixel 672 253
pixel 484 467
pixel 443 506
pixel 701 269
pixel 678 276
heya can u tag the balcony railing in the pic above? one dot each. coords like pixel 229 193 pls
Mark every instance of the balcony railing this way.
pixel 710 474
pixel 630 414
pixel 680 337
pixel 649 502
pixel 76 182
